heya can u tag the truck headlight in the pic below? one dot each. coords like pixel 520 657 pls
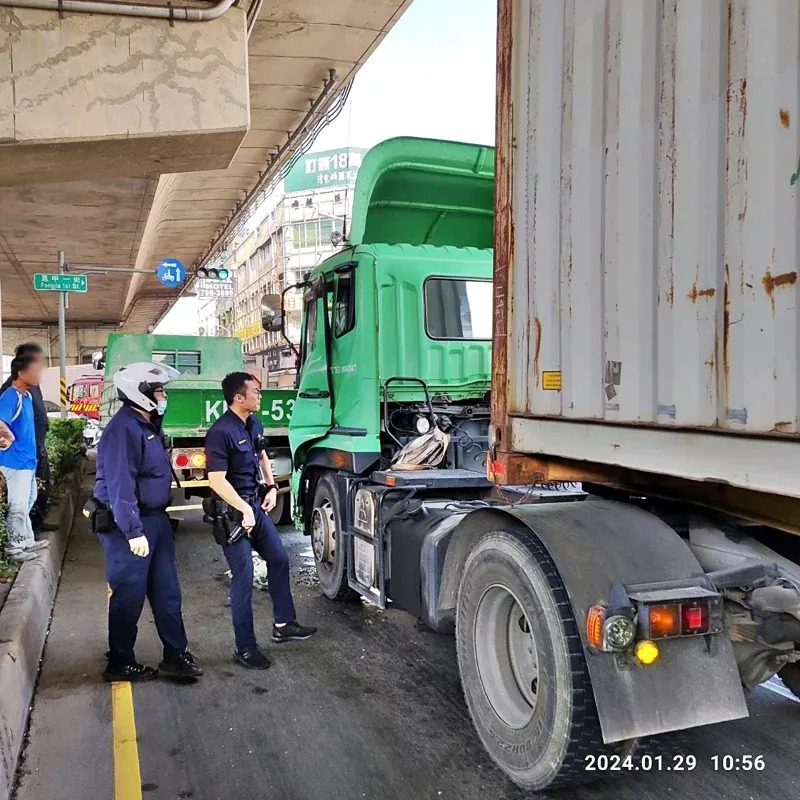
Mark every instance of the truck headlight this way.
pixel 364 512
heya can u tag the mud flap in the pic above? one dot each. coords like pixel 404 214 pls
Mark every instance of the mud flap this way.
pixel 596 544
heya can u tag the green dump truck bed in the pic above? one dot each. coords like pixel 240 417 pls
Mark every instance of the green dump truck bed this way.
pixel 195 398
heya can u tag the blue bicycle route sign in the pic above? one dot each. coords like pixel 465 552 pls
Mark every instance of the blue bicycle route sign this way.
pixel 171 272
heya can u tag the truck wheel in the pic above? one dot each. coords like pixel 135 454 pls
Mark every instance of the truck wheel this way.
pixel 327 541
pixel 522 664
pixel 790 675
pixel 279 512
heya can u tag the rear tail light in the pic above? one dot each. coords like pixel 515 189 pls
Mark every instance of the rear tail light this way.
pixel 679 619
pixel 608 630
pixel 594 626
pixel 181 460
pixel 694 618
pixel 198 460
pixel 665 621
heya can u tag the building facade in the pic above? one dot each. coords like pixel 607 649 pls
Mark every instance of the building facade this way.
pixel 293 236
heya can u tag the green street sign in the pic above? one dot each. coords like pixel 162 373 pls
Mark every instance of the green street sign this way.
pixel 326 170
pixel 44 282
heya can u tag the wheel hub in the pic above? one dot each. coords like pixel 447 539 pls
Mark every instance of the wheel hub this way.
pixel 506 656
pixel 323 533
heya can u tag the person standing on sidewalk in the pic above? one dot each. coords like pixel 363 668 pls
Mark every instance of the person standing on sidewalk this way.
pixel 41 424
pixel 18 460
pixel 134 481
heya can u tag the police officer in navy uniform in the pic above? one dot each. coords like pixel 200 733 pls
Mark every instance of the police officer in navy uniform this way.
pixel 232 462
pixel 134 479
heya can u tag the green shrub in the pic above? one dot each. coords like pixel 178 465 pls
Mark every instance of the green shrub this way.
pixel 65 448
pixel 8 568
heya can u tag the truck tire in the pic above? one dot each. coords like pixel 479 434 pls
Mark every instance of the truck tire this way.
pixel 790 675
pixel 326 532
pixel 282 513
pixel 514 623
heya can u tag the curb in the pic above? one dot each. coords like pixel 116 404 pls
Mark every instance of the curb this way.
pixel 24 622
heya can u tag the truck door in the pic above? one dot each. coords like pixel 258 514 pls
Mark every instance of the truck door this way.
pixel 313 411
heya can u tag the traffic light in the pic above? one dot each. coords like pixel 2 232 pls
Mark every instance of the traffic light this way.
pixel 220 274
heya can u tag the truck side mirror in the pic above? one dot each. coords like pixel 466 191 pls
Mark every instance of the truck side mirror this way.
pixel 271 316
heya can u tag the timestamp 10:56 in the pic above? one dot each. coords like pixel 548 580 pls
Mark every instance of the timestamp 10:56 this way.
pixel 745 763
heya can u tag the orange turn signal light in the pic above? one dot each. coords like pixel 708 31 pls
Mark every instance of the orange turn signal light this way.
pixel 594 626
pixel 665 621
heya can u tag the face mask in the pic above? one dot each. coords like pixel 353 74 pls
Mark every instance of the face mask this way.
pixel 161 407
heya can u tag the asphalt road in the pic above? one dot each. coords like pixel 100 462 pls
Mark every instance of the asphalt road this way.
pixel 371 707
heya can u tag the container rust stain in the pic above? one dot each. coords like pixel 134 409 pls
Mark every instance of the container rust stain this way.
pixel 772 282
pixel 538 324
pixel 785 118
pixel 696 293
pixel 784 427
pixel 504 225
pixel 726 332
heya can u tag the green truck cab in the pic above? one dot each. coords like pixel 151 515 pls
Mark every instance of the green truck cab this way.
pixel 395 340
pixel 196 402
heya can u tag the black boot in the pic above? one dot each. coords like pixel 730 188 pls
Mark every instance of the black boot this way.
pixel 180 665
pixel 135 673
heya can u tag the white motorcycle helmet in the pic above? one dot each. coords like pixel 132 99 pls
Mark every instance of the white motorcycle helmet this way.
pixel 136 383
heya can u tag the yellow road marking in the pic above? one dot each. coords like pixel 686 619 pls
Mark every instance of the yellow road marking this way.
pixel 127 777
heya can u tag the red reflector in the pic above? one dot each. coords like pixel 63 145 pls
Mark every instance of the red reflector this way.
pixel 181 460
pixel 496 468
pixel 694 618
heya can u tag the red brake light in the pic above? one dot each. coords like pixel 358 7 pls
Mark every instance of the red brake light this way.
pixel 181 460
pixel 694 618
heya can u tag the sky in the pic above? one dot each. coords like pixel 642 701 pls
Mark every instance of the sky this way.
pixel 433 76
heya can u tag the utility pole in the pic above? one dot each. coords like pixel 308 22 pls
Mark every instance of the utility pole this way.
pixel 62 339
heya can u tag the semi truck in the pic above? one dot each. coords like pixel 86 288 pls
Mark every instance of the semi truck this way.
pixel 196 402
pixel 597 315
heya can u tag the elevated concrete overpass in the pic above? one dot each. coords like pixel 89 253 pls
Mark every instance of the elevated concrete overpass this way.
pixel 125 140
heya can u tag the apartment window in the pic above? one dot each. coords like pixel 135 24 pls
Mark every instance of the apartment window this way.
pixel 305 234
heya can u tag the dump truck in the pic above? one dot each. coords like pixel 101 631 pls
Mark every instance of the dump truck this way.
pixel 196 402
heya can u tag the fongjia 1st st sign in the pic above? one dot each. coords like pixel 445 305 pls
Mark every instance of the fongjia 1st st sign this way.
pixel 55 282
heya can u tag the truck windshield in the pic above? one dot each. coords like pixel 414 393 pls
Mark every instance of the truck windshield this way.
pixel 458 309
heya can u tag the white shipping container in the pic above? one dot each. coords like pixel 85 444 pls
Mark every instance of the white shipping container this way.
pixel 648 235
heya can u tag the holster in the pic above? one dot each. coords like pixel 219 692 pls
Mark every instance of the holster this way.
pixel 99 516
pixel 225 521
